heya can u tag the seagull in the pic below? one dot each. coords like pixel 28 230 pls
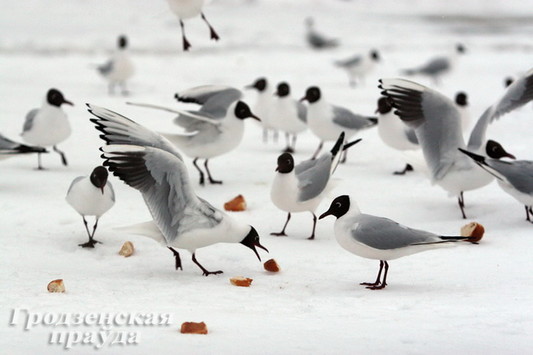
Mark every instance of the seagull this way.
pixel 395 133
pixel 380 238
pixel 48 126
pixel 438 66
pixel 119 68
pixel 150 164
pixel 435 119
pixel 215 129
pixel 358 66
pixel 327 121
pixel 317 40
pixel 302 187
pixel 515 178
pixel 263 106
pixel 9 148
pixel 91 195
pixel 289 115
pixel 186 9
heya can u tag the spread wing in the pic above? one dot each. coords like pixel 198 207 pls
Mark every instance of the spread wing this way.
pixel 215 99
pixel 517 94
pixel 118 129
pixel 434 117
pixel 162 179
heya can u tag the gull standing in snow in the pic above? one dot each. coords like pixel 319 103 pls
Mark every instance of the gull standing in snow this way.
pixel 436 121
pixel 395 133
pixel 263 106
pixel 150 164
pixel 327 121
pixel 379 238
pixel 438 66
pixel 48 126
pixel 515 178
pixel 215 129
pixel 289 115
pixel 119 68
pixel 185 9
pixel 9 148
pixel 302 187
pixel 91 195
pixel 317 40
pixel 357 67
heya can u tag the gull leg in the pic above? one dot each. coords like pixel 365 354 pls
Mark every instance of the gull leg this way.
pixel 288 142
pixel 199 170
pixel 294 137
pixel 383 284
pixel 211 180
pixel 176 257
pixel 63 156
pixel 205 271
pixel 91 242
pixel 186 44
pixel 529 211
pixel 265 135
pixel 94 230
pixel 214 35
pixel 408 167
pixel 125 91
pixel 282 233
pixel 317 150
pixel 377 282
pixel 461 201
pixel 314 227
pixel 39 166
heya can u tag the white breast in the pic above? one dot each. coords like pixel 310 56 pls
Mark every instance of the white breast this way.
pixel 122 68
pixel 284 194
pixel 285 116
pixel 88 200
pixel 525 199
pixel 392 132
pixel 185 9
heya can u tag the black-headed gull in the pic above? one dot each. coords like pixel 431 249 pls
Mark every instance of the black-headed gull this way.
pixel 379 238
pixel 358 66
pixel 263 106
pixel 119 68
pixel 288 115
pixel 317 40
pixel 48 125
pixel 91 195
pixel 149 163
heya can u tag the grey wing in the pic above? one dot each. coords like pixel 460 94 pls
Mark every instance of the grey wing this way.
pixel 350 120
pixel 383 233
pixel 435 66
pixel 74 182
pixel 518 173
pixel 301 111
pixel 105 68
pixel 162 179
pixel 118 129
pixel 215 99
pixel 30 117
pixel 192 124
pixel 6 143
pixel 356 60
pixel 434 117
pixel 517 94
pixel 313 177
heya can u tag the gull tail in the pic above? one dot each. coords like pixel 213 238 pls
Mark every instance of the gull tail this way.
pixel 23 149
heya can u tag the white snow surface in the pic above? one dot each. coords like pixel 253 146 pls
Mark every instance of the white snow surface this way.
pixel 471 298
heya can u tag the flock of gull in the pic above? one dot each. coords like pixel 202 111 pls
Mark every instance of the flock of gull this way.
pixel 409 116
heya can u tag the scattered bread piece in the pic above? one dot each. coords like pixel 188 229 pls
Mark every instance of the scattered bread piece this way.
pixel 127 249
pixel 236 205
pixel 473 229
pixel 271 265
pixel 193 328
pixel 56 286
pixel 241 281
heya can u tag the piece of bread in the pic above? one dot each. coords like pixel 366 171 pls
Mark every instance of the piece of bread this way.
pixel 271 265
pixel 127 249
pixel 236 205
pixel 193 328
pixel 473 229
pixel 241 281
pixel 56 286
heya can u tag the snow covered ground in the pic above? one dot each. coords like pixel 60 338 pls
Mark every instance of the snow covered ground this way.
pixel 472 298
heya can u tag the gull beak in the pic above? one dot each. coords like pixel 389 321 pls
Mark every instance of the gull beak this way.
pixel 303 99
pixel 509 155
pixel 325 214
pixel 259 246
pixel 65 101
pixel 102 188
pixel 255 117
pixel 277 168
pixel 251 86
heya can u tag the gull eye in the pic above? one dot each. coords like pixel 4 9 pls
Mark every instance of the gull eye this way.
pixel 338 204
